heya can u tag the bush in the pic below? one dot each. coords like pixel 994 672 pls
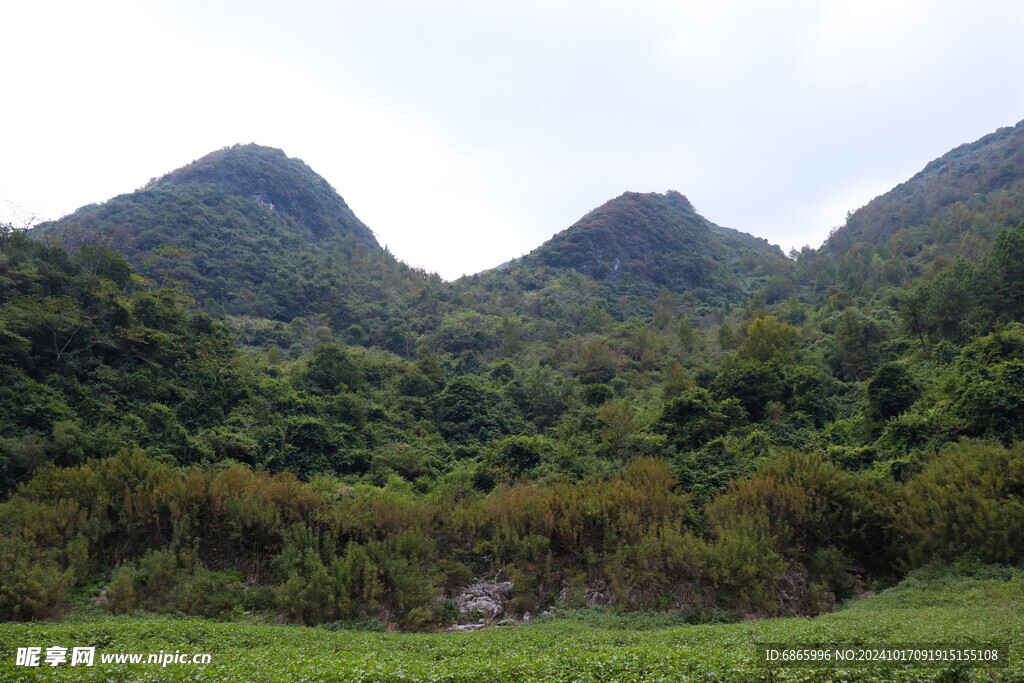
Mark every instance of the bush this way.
pixel 122 597
pixel 33 587
pixel 891 390
pixel 213 595
pixel 743 567
pixel 968 499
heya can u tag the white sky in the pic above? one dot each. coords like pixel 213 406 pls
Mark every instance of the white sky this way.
pixel 465 133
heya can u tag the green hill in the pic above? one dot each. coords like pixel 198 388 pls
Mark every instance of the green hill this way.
pixel 284 185
pixel 646 413
pixel 246 231
pixel 639 243
pixel 955 206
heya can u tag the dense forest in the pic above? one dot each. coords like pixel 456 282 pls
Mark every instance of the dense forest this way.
pixel 251 407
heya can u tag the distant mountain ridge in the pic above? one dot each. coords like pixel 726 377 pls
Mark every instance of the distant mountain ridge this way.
pixel 248 231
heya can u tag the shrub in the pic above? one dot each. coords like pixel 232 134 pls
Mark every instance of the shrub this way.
pixel 122 597
pixel 969 498
pixel 33 587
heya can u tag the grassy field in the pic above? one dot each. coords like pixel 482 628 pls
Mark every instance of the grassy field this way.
pixel 987 607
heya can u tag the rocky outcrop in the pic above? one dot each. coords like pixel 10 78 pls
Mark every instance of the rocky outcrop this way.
pixel 485 600
pixel 793 596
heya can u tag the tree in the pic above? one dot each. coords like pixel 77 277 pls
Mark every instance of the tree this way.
pixel 857 339
pixel 596 365
pixel 966 500
pixel 426 363
pixel 515 456
pixel 1006 265
pixel 991 402
pixel 891 390
pixel 769 339
pixel 470 412
pixel 912 310
pixel 329 369
pixel 754 385
pixel 65 321
pixel 955 298
pixel 596 394
pixel 688 336
pixel 694 418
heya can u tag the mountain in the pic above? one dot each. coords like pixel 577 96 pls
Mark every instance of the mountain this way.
pixel 641 242
pixel 637 409
pixel 956 205
pixel 246 231
pixel 282 184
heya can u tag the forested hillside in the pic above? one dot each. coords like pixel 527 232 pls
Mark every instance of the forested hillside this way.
pixel 636 244
pixel 327 435
pixel 247 232
pixel 956 206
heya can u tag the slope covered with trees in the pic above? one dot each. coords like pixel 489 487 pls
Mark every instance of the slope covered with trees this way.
pixel 578 431
pixel 956 205
pixel 246 231
pixel 636 244
pixel 284 185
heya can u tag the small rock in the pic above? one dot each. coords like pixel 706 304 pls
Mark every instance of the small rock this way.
pixel 467 627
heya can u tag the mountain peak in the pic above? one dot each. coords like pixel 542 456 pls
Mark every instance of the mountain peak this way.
pixel 671 200
pixel 284 184
pixel 245 230
pixel 681 200
pixel 655 240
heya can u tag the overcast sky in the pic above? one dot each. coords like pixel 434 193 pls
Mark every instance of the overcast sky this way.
pixel 465 133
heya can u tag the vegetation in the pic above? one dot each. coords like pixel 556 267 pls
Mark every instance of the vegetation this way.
pixel 255 412
pixel 248 232
pixel 585 645
pixel 638 243
pixel 956 206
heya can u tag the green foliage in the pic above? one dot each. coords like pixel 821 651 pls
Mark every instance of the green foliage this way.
pixel 122 597
pixel 806 505
pixel 753 385
pixel 469 412
pixel 688 336
pixel 596 394
pixel 357 440
pixel 891 391
pixel 967 299
pixel 695 418
pixel 246 231
pixel 34 586
pixel 967 499
pixel 578 645
pixel 515 457
pixel 637 245
pixel 769 339
pixel 857 339
pixel 277 182
pixel 743 565
pixel 955 206
pixel 992 405
pixel 329 369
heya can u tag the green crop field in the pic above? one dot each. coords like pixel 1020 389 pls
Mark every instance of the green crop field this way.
pixel 574 646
